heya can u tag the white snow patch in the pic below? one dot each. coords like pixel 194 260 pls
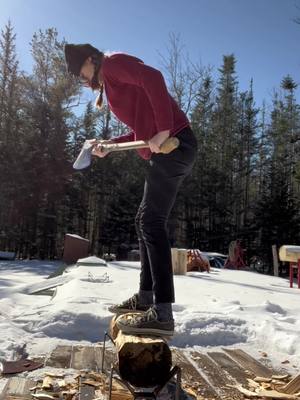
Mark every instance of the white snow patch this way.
pixel 240 309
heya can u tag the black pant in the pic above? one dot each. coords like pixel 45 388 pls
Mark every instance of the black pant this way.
pixel 165 174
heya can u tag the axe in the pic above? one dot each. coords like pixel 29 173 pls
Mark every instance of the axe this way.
pixel 84 158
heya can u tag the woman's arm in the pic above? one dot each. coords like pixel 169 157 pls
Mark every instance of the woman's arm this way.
pixel 128 69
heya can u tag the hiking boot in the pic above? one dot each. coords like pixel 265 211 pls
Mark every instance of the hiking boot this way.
pixel 146 323
pixel 129 306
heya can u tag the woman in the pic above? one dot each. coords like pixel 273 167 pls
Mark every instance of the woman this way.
pixel 137 95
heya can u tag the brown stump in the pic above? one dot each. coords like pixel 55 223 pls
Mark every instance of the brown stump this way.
pixel 143 361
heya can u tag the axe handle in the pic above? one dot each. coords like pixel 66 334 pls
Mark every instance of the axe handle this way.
pixel 166 147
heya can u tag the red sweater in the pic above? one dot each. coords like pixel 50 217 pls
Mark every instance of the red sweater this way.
pixel 138 96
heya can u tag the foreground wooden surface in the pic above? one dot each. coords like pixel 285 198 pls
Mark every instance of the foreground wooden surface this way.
pixel 213 375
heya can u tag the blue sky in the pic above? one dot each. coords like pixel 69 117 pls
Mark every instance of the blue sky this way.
pixel 261 33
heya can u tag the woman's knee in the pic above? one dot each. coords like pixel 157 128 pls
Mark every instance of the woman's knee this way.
pixel 150 224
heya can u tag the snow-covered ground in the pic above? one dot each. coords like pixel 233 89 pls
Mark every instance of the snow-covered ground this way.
pixel 240 309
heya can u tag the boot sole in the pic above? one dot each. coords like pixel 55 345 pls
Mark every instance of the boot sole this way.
pixel 124 311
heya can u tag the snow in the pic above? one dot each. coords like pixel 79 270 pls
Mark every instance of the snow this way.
pixel 92 261
pixel 76 236
pixel 240 309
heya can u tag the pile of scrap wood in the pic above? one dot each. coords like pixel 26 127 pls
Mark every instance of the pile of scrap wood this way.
pixel 275 387
pixel 92 385
pixel 88 385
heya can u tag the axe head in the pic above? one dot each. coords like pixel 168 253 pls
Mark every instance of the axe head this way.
pixel 84 158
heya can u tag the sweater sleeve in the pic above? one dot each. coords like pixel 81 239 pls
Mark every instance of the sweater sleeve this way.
pixel 128 69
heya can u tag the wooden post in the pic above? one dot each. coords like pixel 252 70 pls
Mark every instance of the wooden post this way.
pixel 179 261
pixel 143 361
pixel 275 260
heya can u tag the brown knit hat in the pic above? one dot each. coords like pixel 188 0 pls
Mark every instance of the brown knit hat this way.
pixel 76 54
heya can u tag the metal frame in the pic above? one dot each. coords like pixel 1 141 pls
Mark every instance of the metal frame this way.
pixel 139 393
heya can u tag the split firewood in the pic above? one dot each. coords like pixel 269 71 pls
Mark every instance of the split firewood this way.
pixel 35 388
pixel 280 377
pixel 43 396
pixel 241 389
pixel 262 379
pixel 47 383
pixel 268 394
pixel 267 386
pixel 91 382
pixel 61 383
pixel 97 376
pixel 55 374
pixel 278 382
pixel 252 383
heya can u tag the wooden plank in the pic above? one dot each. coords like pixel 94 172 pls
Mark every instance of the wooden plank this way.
pixel 215 376
pixel 249 363
pixel 60 357
pixel 293 386
pixel 17 387
pixel 192 377
pixel 230 366
pixel 83 357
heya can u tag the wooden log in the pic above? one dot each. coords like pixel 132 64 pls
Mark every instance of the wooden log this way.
pixel 179 261
pixel 143 361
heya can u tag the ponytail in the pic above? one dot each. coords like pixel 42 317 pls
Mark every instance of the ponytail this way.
pixel 96 85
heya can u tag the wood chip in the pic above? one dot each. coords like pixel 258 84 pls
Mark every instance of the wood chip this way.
pixel 90 382
pixel 34 388
pixel 252 383
pixel 246 392
pixel 280 377
pixel 62 383
pixel 274 394
pixel 262 379
pixel 266 385
pixel 42 396
pixel 55 375
pixel 278 382
pixel 268 394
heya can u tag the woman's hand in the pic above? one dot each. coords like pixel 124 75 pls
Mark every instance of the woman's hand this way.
pixel 97 147
pixel 157 140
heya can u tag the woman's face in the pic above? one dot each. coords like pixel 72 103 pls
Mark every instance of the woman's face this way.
pixel 87 72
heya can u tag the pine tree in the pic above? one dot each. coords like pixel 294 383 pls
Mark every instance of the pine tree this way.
pixel 10 136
